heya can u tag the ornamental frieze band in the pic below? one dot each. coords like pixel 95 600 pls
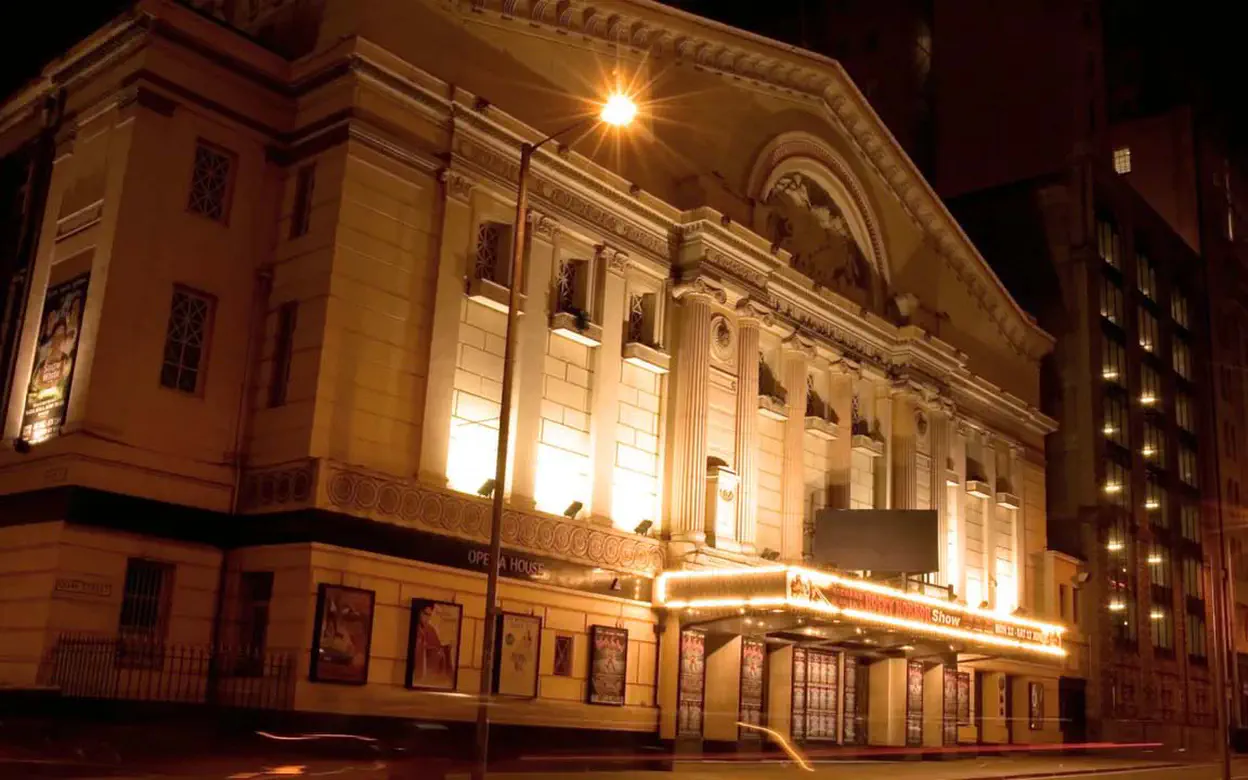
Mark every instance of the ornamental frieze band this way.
pixel 425 508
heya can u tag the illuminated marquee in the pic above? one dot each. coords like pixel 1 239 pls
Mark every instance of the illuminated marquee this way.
pixel 858 600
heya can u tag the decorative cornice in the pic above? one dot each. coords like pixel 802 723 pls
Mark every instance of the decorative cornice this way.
pixel 409 503
pixel 564 200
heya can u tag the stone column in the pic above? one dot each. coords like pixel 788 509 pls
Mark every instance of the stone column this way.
pixel 750 316
pixel 989 461
pixel 453 259
pixel 938 437
pixel 532 337
pixel 957 451
pixel 797 354
pixel 606 397
pixel 690 405
pixel 903 449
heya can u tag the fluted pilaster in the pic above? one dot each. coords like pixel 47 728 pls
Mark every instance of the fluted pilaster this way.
pixel 750 319
pixel 938 431
pixel 690 404
pixel 904 449
pixel 797 357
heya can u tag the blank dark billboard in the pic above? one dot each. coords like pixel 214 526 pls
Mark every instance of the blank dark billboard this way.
pixel 881 540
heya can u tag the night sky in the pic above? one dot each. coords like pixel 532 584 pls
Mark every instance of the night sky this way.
pixel 1179 52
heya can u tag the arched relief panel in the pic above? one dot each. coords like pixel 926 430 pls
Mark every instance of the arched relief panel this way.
pixel 809 202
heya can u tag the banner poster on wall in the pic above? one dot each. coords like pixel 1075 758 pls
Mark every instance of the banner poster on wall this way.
pixel 48 392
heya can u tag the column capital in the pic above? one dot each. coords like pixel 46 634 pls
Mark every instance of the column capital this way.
pixel 543 225
pixel 798 344
pixel 699 288
pixel 752 313
pixel 615 260
pixel 458 186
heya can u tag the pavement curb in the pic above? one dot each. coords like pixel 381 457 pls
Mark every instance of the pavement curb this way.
pixel 1082 772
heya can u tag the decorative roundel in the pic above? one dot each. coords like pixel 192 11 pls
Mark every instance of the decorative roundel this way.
pixel 721 337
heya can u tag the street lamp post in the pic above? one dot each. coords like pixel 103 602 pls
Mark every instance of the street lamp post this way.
pixel 619 110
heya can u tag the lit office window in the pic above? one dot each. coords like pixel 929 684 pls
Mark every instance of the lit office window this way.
pixel 1181 357
pixel 1146 276
pixel 1147 330
pixel 1178 308
pixel 1111 300
pixel 1107 243
pixel 1187 466
pixel 1153 448
pixel 1155 503
pixel 1113 361
pixel 1117 486
pixel 1122 160
pixel 1150 388
pixel 1184 412
pixel 1114 426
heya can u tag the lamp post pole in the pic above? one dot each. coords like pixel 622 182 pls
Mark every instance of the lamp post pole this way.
pixel 490 639
pixel 500 468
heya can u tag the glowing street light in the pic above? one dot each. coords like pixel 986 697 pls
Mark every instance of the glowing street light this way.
pixel 619 110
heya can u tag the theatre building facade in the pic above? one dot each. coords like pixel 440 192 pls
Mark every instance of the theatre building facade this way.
pixel 776 459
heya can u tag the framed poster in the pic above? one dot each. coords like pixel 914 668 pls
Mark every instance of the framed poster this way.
pixel 519 647
pixel 433 645
pixel 949 706
pixel 1035 706
pixel 964 698
pixel 753 665
pixel 608 663
pixel 342 635
pixel 914 704
pixel 47 395
pixel 563 655
pixel 690 685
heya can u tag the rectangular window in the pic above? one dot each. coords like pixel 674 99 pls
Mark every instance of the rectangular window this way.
pixel 301 216
pixel 1159 565
pixel 1122 160
pixel 1162 627
pixel 1156 503
pixel 1147 329
pixel 1189 522
pixel 574 287
pixel 255 592
pixel 1181 357
pixel 492 261
pixel 1184 412
pixel 283 345
pixel 1153 448
pixel 643 318
pixel 1111 300
pixel 1193 578
pixel 1146 276
pixel 1107 243
pixel 1196 648
pixel 211 182
pixel 186 340
pixel 1115 425
pixel 1113 361
pixel 1117 487
pixel 1187 466
pixel 1178 308
pixel 1150 387
pixel 1121 548
pixel 144 619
